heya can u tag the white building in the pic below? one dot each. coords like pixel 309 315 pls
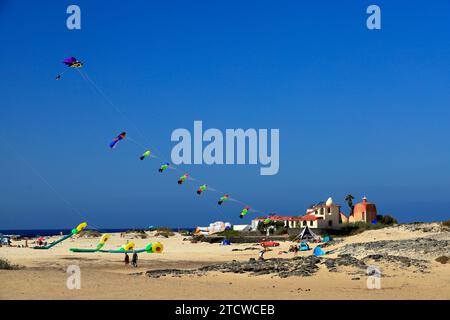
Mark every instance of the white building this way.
pixel 242 227
pixel 324 215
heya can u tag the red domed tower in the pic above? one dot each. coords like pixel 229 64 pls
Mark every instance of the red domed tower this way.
pixel 364 211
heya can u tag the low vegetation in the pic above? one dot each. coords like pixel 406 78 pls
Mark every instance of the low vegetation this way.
pixel 229 234
pixel 443 259
pixel 276 227
pixel 164 232
pixel 350 229
pixel 185 232
pixel 386 220
pixel 140 231
pixel 6 265
pixel 446 223
pixel 90 234
pixel 137 233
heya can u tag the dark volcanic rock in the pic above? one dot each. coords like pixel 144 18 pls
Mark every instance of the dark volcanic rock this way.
pixel 423 246
pixel 403 261
pixel 299 266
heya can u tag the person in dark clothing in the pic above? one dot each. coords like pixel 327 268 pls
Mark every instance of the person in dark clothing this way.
pixel 134 260
pixel 127 259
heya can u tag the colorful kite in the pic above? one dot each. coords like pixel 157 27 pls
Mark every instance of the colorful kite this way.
pixel 116 140
pixel 145 155
pixel 223 198
pixel 201 189
pixel 163 167
pixel 244 212
pixel 71 62
pixel 183 178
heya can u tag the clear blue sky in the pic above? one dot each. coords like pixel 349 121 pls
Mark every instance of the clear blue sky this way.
pixel 359 111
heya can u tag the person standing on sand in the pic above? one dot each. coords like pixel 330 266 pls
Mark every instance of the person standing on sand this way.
pixel 134 260
pixel 261 253
pixel 127 259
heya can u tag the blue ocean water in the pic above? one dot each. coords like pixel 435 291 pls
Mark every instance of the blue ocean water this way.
pixel 52 232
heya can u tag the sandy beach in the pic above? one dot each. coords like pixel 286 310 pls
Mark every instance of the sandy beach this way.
pixel 104 276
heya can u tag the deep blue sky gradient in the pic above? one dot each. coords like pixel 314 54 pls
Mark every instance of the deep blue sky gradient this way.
pixel 359 111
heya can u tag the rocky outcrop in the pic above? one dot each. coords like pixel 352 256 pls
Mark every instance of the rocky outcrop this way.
pixel 427 247
pixel 298 266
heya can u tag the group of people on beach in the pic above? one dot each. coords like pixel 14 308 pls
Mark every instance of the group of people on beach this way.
pixel 134 260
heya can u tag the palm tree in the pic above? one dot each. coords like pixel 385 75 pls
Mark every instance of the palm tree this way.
pixel 349 198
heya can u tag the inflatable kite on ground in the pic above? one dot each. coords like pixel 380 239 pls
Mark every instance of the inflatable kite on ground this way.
pixel 223 198
pixel 71 62
pixel 99 246
pixel 116 140
pixel 244 212
pixel 129 248
pixel 163 167
pixel 75 231
pixel 201 189
pixel 183 178
pixel 145 155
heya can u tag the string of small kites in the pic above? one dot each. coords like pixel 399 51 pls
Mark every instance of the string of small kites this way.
pixel 72 62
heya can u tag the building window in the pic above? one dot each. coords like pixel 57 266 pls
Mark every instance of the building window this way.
pixel 311 223
pixel 304 223
pixel 329 210
pixel 364 216
pixel 330 223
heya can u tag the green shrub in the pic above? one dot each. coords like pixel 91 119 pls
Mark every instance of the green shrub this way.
pixel 164 232
pixel 349 229
pixel 141 231
pixel 229 233
pixel 185 232
pixel 443 259
pixel 388 220
pixel 6 265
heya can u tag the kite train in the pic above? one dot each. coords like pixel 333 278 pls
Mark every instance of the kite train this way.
pixel 129 248
pixel 99 246
pixel 75 231
pixel 70 62
pixel 126 248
